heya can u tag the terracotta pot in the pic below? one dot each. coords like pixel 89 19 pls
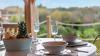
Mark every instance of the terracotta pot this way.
pixel 18 44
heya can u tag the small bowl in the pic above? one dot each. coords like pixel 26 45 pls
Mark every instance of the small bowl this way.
pixel 54 47
pixel 69 38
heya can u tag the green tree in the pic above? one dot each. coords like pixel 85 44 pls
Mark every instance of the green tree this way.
pixel 14 19
pixel 66 16
pixel 42 13
pixel 56 15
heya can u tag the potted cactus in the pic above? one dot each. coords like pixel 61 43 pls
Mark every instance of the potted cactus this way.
pixel 20 41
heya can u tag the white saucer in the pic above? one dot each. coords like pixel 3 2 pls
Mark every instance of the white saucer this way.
pixel 2 47
pixel 77 42
pixel 1 43
pixel 44 52
pixel 62 53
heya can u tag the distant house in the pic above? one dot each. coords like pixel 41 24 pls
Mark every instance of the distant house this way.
pixel 0 12
pixel 8 12
pixel 1 15
pixel 12 9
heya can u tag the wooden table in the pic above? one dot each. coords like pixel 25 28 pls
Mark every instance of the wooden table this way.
pixel 89 48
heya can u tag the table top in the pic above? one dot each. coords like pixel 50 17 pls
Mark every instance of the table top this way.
pixel 84 50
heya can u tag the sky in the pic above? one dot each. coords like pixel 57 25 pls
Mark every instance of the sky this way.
pixel 68 3
pixel 6 3
pixel 53 3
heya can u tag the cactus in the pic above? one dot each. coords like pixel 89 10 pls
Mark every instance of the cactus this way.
pixel 22 32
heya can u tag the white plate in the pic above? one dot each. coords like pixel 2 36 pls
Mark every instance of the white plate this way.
pixel 62 53
pixel 2 45
pixel 77 42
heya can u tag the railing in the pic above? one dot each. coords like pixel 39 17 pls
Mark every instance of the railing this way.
pixel 89 24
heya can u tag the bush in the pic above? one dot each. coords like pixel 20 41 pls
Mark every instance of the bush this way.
pixel 42 29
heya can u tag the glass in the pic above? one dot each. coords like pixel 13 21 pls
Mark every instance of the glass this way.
pixel 1 33
pixel 54 29
pixel 36 26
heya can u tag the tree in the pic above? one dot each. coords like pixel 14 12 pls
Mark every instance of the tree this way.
pixel 14 19
pixel 42 14
pixel 56 15
pixel 66 16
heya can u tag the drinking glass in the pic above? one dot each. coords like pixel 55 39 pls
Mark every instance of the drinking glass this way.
pixel 36 27
pixel 1 33
pixel 54 29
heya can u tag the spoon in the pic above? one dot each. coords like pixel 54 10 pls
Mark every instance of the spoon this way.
pixel 81 51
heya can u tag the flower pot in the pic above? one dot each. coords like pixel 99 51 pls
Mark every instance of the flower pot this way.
pixel 18 44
